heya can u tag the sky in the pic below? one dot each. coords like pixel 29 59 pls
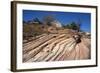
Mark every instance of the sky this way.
pixel 63 17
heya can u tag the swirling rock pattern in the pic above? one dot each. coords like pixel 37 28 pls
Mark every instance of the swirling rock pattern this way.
pixel 55 47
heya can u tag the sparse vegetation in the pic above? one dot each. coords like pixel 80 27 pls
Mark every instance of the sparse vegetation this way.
pixel 36 27
pixel 73 25
pixel 66 43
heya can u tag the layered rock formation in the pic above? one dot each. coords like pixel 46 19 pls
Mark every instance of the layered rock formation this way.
pixel 56 47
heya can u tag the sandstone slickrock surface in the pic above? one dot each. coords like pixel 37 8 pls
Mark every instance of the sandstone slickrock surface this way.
pixel 56 47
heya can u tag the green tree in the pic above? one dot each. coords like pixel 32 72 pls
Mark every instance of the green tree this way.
pixel 73 25
pixel 37 20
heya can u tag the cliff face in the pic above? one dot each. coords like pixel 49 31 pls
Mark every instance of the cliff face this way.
pixel 58 46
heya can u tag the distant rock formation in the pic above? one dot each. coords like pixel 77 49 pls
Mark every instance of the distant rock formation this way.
pixel 56 24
